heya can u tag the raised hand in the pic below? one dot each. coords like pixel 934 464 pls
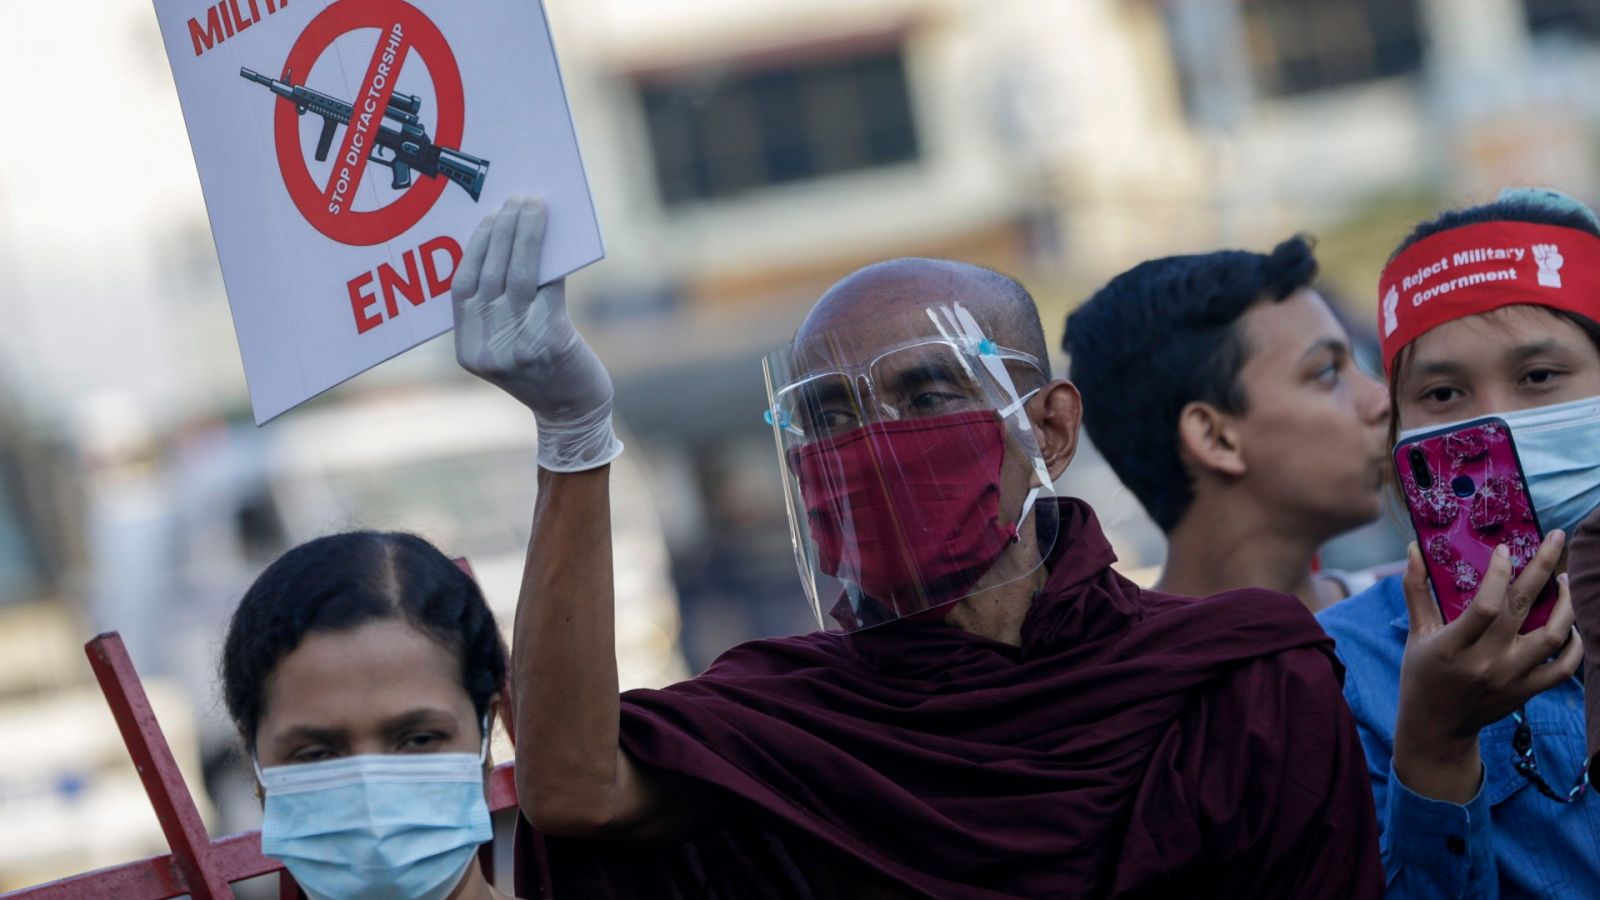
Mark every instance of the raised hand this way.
pixel 517 335
pixel 1457 678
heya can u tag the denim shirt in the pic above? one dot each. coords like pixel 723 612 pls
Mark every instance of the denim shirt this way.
pixel 1511 840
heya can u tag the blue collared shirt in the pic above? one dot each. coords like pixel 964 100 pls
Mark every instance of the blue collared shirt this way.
pixel 1510 840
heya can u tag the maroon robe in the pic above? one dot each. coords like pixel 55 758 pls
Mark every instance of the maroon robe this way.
pixel 1137 744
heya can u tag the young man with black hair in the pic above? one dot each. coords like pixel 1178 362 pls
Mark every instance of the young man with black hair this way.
pixel 1223 392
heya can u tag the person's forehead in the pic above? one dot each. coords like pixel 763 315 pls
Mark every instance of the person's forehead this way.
pixel 1279 334
pixel 867 342
pixel 354 678
pixel 876 310
pixel 1485 339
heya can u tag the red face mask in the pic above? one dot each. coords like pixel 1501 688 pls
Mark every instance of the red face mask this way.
pixel 909 511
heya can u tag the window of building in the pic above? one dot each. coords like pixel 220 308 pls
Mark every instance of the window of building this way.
pixel 1581 17
pixel 741 129
pixel 21 569
pixel 1301 46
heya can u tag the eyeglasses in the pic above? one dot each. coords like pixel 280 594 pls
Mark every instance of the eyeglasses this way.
pixel 1528 767
pixel 918 379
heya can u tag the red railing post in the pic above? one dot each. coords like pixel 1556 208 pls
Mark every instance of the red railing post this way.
pixel 158 769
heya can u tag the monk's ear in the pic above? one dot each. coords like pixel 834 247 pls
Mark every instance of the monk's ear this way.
pixel 1209 439
pixel 1056 412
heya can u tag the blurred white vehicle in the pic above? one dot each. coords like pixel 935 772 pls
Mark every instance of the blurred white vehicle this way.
pixel 457 467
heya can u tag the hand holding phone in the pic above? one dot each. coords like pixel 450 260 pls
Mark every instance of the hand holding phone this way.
pixel 1457 678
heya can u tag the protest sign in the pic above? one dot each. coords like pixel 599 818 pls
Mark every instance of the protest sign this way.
pixel 347 149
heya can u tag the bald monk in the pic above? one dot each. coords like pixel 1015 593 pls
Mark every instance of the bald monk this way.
pixel 992 711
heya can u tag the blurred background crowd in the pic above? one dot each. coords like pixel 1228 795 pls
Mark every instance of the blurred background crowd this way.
pixel 743 156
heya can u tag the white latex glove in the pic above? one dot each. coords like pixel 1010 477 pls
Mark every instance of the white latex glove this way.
pixel 517 336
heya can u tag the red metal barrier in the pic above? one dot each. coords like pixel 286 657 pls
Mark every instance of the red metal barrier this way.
pixel 198 866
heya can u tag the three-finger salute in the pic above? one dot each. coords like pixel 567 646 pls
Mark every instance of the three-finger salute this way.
pixel 516 334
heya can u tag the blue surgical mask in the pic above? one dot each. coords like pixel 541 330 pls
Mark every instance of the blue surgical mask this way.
pixel 401 826
pixel 1559 446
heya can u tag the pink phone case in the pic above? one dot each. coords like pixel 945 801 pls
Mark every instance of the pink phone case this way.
pixel 1475 498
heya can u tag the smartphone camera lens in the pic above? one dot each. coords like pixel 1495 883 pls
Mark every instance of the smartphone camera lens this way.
pixel 1419 469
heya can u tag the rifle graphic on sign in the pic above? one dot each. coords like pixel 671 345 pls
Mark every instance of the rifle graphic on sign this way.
pixel 409 144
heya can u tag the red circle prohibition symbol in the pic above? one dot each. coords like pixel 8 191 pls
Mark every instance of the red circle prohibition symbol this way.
pixel 388 222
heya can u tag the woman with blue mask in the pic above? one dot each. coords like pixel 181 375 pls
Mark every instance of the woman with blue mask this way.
pixel 1474 733
pixel 364 672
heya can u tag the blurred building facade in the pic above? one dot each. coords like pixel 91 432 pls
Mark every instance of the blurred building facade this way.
pixel 746 154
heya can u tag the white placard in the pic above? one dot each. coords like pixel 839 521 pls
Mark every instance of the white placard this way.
pixel 335 265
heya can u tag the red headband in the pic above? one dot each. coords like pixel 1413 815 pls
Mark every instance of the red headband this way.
pixel 1473 269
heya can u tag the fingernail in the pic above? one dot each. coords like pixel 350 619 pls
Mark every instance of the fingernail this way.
pixel 1562 578
pixel 1500 552
pixel 515 201
pixel 1559 536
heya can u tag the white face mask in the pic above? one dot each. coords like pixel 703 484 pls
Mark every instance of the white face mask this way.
pixel 377 826
pixel 1559 446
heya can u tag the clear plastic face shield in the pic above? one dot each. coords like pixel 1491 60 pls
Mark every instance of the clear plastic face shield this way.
pixel 912 474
